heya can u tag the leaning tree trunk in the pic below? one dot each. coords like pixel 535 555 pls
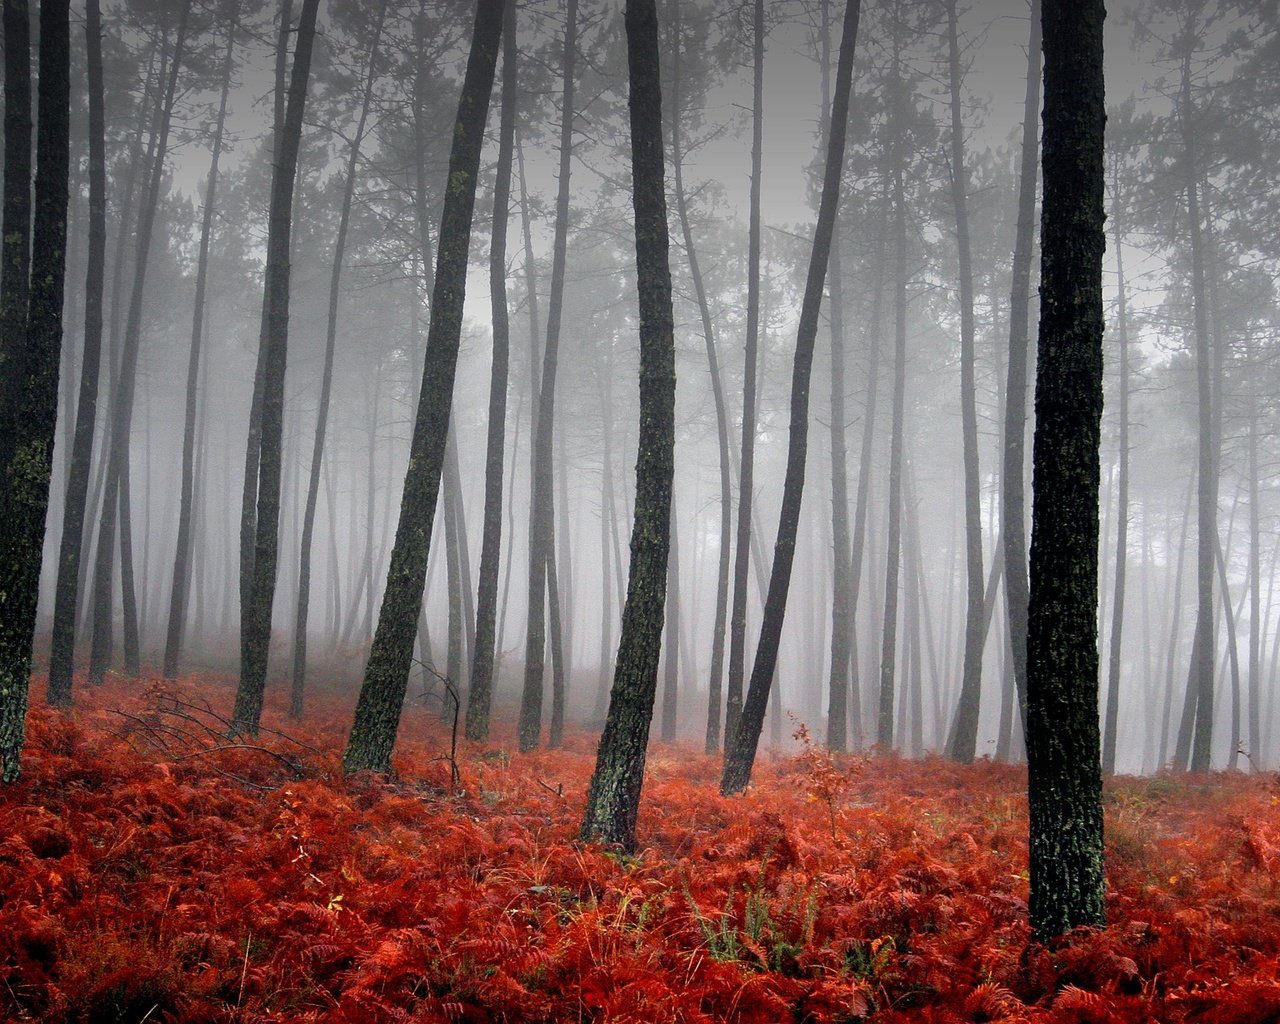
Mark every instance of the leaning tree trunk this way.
pixel 964 734
pixel 541 513
pixel 1063 772
pixel 71 547
pixel 1013 533
pixel 741 751
pixel 613 800
pixel 386 676
pixel 326 383
pixel 28 433
pixel 255 618
pixel 746 471
pixel 480 692
pixel 115 498
pixel 182 558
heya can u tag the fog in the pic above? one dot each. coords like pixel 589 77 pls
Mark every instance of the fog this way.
pixel 1226 53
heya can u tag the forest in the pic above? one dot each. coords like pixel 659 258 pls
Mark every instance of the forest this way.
pixel 672 510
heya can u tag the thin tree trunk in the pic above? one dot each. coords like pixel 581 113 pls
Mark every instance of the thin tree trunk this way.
pixel 255 618
pixel 182 558
pixel 671 640
pixel 480 693
pixel 740 754
pixel 71 547
pixel 541 515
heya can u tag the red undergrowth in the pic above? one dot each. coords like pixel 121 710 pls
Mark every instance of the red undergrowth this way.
pixel 146 875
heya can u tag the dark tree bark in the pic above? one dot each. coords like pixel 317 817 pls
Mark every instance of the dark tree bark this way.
pixel 963 742
pixel 182 558
pixel 255 618
pixel 741 751
pixel 115 501
pixel 1122 522
pixel 1013 533
pixel 15 250
pixel 541 513
pixel 480 693
pixel 746 472
pixel 298 684
pixel 377 713
pixel 29 429
pixel 1063 772
pixel 613 799
pixel 71 547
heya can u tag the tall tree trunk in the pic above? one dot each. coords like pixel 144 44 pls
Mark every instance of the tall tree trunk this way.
pixel 613 799
pixel 741 751
pixel 1122 520
pixel 32 391
pixel 255 618
pixel 889 627
pixel 716 673
pixel 1257 626
pixel 1195 740
pixel 1013 463
pixel 541 514
pixel 115 501
pixel 71 547
pixel 1063 771
pixel 963 743
pixel 671 640
pixel 746 473
pixel 480 693
pixel 377 713
pixel 326 381
pixel 181 562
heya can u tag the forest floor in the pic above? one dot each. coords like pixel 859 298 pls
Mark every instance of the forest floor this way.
pixel 147 874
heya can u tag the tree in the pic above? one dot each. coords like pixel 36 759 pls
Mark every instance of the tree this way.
pixel 613 799
pixel 1064 778
pixel 30 384
pixel 377 714
pixel 70 549
pixel 255 616
pixel 480 692
pixel 541 515
pixel 741 750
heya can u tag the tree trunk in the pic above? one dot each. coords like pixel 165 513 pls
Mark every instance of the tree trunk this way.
pixel 964 735
pixel 71 547
pixel 746 473
pixel 255 618
pixel 671 640
pixel 115 501
pixel 377 713
pixel 741 751
pixel 31 390
pixel 480 693
pixel 1063 771
pixel 541 515
pixel 1122 521
pixel 326 383
pixel 181 562
pixel 1013 466
pixel 613 799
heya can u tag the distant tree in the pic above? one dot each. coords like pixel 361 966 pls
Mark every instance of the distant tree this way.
pixel 741 749
pixel 480 692
pixel 30 382
pixel 613 799
pixel 255 617
pixel 1063 770
pixel 71 547
pixel 377 714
